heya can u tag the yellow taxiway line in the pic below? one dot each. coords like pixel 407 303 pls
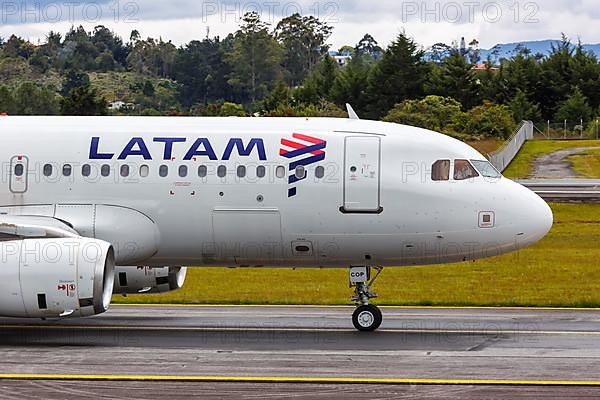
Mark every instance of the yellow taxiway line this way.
pixel 293 379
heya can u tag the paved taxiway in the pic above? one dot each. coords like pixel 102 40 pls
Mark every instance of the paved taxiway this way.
pixel 311 351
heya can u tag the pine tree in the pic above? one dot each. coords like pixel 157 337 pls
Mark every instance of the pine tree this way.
pixel 523 109
pixel 455 79
pixel 574 108
pixel 351 84
pixel 398 76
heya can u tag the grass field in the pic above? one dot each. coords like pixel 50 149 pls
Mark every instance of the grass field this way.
pixel 486 146
pixel 522 165
pixel 587 164
pixel 563 270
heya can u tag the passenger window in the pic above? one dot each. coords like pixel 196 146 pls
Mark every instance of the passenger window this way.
pixel 280 171
pixel 144 171
pixel 300 172
pixel 241 171
pixel 202 171
pixel 463 170
pixel 441 170
pixel 261 171
pixel 183 171
pixel 163 171
pixel 47 169
pixel 86 170
pixel 67 169
pixel 222 171
pixel 320 172
pixel 19 169
pixel 105 170
pixel 124 170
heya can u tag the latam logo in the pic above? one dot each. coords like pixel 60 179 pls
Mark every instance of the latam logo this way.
pixel 303 151
pixel 201 147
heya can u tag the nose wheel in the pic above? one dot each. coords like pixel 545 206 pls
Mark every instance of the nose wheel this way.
pixel 366 317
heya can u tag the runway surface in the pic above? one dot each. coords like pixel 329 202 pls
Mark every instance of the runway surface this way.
pixel 565 190
pixel 304 352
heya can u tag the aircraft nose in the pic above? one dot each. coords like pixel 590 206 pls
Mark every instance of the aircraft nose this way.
pixel 538 217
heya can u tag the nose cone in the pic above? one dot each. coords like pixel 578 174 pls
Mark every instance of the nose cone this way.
pixel 536 215
pixel 541 218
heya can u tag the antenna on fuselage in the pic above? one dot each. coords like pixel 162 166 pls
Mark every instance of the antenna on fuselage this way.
pixel 351 113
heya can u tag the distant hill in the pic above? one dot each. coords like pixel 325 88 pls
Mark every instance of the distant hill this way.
pixel 509 50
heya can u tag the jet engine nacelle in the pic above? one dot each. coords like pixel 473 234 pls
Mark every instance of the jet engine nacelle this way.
pixel 136 280
pixel 53 278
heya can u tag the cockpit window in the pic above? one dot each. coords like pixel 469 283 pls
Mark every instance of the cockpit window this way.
pixel 486 169
pixel 463 170
pixel 441 170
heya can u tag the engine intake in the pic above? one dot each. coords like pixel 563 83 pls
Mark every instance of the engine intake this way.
pixel 137 280
pixel 50 278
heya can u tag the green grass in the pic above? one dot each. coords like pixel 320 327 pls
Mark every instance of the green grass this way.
pixel 522 165
pixel 587 164
pixel 563 270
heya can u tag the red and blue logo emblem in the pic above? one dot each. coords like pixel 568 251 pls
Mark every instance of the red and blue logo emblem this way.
pixel 303 150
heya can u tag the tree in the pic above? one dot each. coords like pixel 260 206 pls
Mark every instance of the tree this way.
pixel 7 101
pixel 17 47
pixel 435 113
pixel 523 109
pixel 83 101
pixel 350 86
pixel 254 59
pixel 148 89
pixel 455 79
pixel 439 52
pixel 398 76
pixel 586 75
pixel 74 79
pixel 521 73
pixel 232 110
pixel 280 95
pixel 33 100
pixel 490 119
pixel 318 86
pixel 574 108
pixel 326 74
pixel 347 50
pixel 303 40
pixel 369 48
pixel 201 72
pixel 556 76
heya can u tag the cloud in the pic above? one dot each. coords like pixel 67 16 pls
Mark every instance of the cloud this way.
pixel 427 21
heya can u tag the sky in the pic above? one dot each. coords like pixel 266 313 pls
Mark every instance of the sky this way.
pixel 428 22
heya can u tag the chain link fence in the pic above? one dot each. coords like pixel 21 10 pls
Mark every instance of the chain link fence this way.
pixel 505 154
pixel 568 130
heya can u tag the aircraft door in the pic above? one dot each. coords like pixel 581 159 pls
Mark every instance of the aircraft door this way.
pixel 361 175
pixel 18 174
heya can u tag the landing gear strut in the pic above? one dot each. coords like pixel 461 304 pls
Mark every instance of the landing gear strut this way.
pixel 366 317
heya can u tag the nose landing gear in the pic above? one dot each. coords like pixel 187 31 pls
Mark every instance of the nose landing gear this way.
pixel 366 317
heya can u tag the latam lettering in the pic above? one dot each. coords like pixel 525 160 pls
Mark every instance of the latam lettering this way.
pixel 201 147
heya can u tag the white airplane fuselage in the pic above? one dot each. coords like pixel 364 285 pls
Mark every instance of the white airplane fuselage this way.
pixel 367 196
